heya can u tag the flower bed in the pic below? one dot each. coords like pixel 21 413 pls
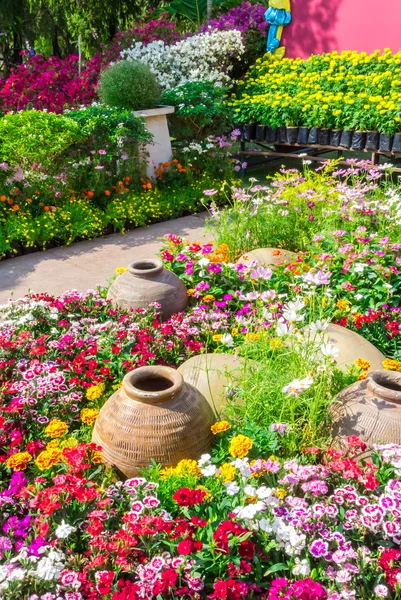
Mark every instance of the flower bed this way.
pixel 338 92
pixel 274 510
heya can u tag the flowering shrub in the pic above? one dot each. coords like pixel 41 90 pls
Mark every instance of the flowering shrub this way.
pixel 203 57
pixel 249 19
pixel 46 84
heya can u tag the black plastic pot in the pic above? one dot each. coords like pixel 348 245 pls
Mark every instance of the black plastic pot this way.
pixel 282 134
pixel 260 133
pixel 270 135
pixel 303 133
pixel 385 142
pixel 358 140
pixel 249 132
pixel 372 140
pixel 335 137
pixel 313 137
pixel 292 135
pixel 324 137
pixel 397 143
pixel 346 138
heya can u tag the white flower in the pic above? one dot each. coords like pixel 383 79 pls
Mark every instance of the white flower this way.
pixel 250 490
pixel 264 493
pixel 318 325
pixel 282 328
pixel 292 316
pixel 209 471
pixel 297 386
pixel 64 530
pixel 381 591
pixel 227 340
pixel 204 459
pixel 249 511
pixel 203 262
pixel 329 350
pixel 242 465
pixel 359 267
pixel 296 305
pixel 301 567
pixel 232 488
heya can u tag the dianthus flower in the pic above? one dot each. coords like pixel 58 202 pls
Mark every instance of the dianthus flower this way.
pixel 240 446
pixel 19 461
pixel 49 458
pixel 89 415
pixel 220 426
pixel 187 497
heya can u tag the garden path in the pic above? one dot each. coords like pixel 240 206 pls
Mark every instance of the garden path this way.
pixel 89 263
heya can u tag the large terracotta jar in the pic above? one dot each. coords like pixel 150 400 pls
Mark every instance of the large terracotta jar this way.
pixel 370 409
pixel 213 375
pixel 350 345
pixel 148 281
pixel 268 257
pixel 155 415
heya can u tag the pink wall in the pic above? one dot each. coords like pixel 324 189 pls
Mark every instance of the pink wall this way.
pixel 324 25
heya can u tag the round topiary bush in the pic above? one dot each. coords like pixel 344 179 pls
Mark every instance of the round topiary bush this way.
pixel 130 85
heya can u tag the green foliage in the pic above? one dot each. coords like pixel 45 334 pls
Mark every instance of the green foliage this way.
pixel 110 126
pixel 129 85
pixel 36 137
pixel 200 110
pixel 192 13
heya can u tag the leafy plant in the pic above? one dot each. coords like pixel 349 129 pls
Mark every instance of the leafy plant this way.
pixel 129 85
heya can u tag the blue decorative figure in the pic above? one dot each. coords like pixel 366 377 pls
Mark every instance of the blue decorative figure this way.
pixel 277 15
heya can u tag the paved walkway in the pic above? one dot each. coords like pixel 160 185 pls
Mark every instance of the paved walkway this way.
pixel 87 264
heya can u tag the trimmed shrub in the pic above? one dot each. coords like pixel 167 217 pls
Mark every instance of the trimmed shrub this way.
pixel 130 85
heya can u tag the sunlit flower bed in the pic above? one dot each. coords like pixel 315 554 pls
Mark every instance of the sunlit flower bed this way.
pixel 275 510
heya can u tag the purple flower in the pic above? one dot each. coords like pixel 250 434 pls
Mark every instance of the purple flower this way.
pixel 280 427
pixel 318 548
pixel 102 152
pixel 210 192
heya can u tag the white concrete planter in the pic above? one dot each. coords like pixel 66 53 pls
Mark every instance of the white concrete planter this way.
pixel 159 151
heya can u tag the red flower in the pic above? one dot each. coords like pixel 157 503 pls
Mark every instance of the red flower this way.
pixel 187 497
pixel 355 442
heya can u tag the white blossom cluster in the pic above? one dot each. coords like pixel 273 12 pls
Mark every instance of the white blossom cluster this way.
pixel 204 57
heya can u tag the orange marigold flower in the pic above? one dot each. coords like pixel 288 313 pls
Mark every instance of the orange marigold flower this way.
pixel 391 365
pixel 56 428
pixel 19 461
pixel 220 426
pixel 107 192
pixel 49 458
pixel 90 194
pixel 88 415
pixel 363 364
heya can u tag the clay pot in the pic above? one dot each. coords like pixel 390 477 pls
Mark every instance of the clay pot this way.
pixel 268 257
pixel 148 281
pixel 155 415
pixel 211 374
pixel 351 346
pixel 370 409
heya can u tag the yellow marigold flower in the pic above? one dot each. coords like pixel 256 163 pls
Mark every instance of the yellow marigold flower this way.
pixel 53 444
pixel 190 292
pixel 121 270
pixel 234 332
pixel 56 428
pixel 344 305
pixel 227 472
pixel 251 500
pixel 19 461
pixel 97 456
pixel 240 446
pixel 208 298
pixel 391 365
pixel 280 493
pixel 88 415
pixel 220 426
pixel 276 344
pixel 363 364
pixel 252 337
pixel 94 392
pixel 217 337
pixel 49 458
pixel 186 466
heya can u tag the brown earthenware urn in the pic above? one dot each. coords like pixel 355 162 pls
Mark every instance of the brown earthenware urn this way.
pixel 147 281
pixel 155 415
pixel 370 409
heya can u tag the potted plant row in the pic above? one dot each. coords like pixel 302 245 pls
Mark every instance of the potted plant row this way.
pixel 323 136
